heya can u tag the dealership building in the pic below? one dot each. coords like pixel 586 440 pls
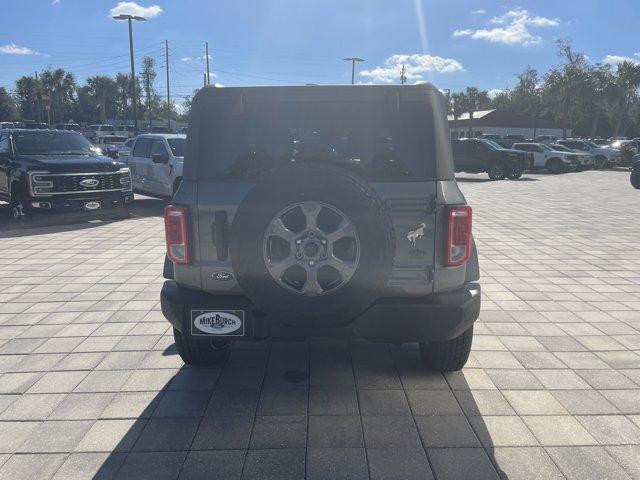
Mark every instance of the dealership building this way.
pixel 501 122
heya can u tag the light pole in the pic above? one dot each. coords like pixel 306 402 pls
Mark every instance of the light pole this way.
pixel 134 95
pixel 353 61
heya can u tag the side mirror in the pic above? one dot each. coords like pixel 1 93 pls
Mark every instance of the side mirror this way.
pixel 160 158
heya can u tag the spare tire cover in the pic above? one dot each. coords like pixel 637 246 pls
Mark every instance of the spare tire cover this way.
pixel 312 245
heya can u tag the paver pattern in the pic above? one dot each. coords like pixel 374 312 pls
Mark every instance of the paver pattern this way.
pixel 91 386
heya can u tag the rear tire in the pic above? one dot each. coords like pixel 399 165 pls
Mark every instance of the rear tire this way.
pixel 601 162
pixel 200 353
pixel 497 172
pixel 555 166
pixel 448 356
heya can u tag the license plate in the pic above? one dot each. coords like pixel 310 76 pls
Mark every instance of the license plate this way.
pixel 92 205
pixel 217 323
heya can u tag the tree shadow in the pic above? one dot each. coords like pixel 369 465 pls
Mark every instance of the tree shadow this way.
pixel 251 418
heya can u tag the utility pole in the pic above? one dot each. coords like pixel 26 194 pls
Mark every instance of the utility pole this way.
pixel 353 61
pixel 205 79
pixel 403 77
pixel 206 56
pixel 166 61
pixel 147 87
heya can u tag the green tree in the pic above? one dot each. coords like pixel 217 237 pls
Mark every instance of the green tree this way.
pixel 29 90
pixel 101 90
pixel 474 100
pixel 8 109
pixel 61 87
pixel 627 81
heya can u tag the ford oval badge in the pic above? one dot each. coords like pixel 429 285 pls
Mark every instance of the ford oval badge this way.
pixel 89 182
pixel 222 276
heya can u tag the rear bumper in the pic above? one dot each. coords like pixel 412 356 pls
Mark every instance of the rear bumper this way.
pixel 398 320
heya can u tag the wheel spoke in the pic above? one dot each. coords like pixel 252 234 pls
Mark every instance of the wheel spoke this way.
pixel 278 229
pixel 277 269
pixel 345 269
pixel 311 210
pixel 312 287
pixel 345 229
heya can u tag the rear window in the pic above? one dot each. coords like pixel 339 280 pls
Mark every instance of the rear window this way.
pixel 372 139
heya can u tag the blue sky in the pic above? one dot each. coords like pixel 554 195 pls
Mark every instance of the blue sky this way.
pixel 269 42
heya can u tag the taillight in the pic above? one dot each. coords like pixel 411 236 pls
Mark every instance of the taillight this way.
pixel 459 235
pixel 176 230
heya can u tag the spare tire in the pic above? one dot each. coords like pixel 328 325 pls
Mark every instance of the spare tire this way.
pixel 312 245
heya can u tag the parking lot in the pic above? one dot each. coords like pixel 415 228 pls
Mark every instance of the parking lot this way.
pixel 92 388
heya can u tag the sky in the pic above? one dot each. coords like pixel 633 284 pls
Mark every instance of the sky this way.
pixel 452 43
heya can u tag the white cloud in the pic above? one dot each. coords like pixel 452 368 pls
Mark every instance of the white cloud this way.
pixel 617 59
pixel 494 92
pixel 513 29
pixel 186 59
pixel 415 66
pixel 132 8
pixel 55 2
pixel 480 11
pixel 13 49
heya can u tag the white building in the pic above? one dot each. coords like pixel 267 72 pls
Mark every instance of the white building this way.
pixel 501 122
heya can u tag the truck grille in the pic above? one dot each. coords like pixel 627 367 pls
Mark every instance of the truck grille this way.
pixel 61 183
pixel 71 183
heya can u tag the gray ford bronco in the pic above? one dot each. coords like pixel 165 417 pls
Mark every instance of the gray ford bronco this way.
pixel 320 211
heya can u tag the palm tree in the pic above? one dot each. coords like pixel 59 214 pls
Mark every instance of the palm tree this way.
pixel 123 89
pixel 457 108
pixel 101 88
pixel 29 91
pixel 471 97
pixel 61 86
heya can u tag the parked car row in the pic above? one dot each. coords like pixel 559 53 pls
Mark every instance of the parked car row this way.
pixel 478 155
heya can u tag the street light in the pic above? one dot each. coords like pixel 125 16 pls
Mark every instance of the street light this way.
pixel 353 61
pixel 123 16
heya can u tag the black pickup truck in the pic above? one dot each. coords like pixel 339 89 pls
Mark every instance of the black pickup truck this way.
pixel 47 171
pixel 477 155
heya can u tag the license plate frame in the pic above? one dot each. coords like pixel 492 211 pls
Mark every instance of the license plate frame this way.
pixel 212 320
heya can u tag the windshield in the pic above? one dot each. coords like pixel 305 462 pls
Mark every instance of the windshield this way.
pixel 492 144
pixel 178 146
pixel 592 144
pixel 373 139
pixel 52 143
pixel 560 148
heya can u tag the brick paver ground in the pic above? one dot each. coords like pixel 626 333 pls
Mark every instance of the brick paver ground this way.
pixel 91 386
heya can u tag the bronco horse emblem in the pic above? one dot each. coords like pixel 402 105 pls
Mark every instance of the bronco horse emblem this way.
pixel 414 235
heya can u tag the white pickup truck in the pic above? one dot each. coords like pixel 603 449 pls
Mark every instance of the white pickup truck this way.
pixel 546 157
pixel 156 163
pixel 604 156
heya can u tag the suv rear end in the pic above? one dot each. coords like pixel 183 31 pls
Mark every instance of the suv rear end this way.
pixel 320 211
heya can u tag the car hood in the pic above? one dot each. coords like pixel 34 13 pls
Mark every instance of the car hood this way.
pixel 71 163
